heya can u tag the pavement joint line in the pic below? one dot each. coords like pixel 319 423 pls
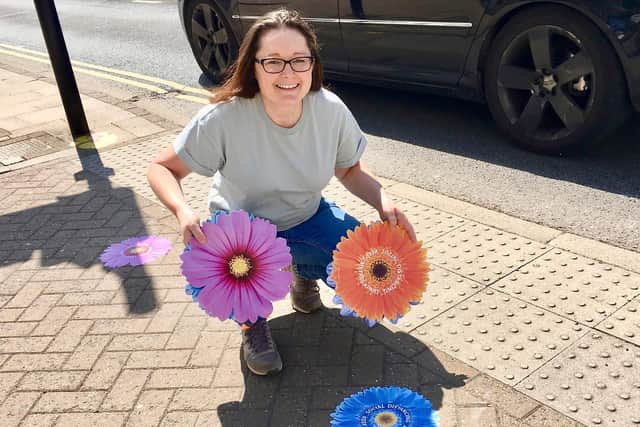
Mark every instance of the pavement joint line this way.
pixel 446 311
pixel 591 328
pixel 489 284
pixel 540 405
pixel 519 268
pixel 443 234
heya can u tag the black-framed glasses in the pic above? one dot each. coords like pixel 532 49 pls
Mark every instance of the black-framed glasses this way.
pixel 298 64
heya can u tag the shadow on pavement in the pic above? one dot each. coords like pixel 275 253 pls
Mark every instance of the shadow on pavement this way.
pixel 326 359
pixel 73 231
pixel 467 129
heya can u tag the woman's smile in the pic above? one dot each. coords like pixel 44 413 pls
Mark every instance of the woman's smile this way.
pixel 287 86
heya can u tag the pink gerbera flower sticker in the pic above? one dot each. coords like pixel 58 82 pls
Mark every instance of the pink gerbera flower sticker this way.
pixel 239 271
pixel 135 251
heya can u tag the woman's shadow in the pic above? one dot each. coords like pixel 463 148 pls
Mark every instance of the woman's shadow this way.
pixel 326 359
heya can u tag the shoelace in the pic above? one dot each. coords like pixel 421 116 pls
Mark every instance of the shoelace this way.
pixel 258 337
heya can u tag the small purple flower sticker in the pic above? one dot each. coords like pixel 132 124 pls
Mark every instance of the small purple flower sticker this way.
pixel 135 251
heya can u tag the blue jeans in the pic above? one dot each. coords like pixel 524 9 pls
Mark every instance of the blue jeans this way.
pixel 312 242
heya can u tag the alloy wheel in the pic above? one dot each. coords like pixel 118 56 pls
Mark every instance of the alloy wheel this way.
pixel 210 39
pixel 546 82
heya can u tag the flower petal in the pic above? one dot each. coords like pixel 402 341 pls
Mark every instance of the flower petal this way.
pixel 237 227
pixel 262 235
pixel 217 242
pixel 277 256
pixel 273 284
pixel 217 300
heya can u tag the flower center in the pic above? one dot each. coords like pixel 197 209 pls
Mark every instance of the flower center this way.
pixel 386 419
pixel 239 266
pixel 380 270
pixel 139 249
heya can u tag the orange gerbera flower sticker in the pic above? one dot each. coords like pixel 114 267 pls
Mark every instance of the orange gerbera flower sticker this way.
pixel 378 272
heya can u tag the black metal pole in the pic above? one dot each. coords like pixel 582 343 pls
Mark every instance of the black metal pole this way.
pixel 67 86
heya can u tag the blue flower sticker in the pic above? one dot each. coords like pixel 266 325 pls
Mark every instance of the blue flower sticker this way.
pixel 385 407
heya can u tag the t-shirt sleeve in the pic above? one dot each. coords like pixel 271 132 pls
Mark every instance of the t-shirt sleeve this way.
pixel 351 142
pixel 199 144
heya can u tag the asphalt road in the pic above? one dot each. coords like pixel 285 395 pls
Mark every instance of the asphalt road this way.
pixel 448 146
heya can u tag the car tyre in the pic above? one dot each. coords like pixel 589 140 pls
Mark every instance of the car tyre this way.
pixel 553 82
pixel 211 38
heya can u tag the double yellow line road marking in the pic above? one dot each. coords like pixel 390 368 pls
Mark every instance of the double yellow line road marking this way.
pixel 155 84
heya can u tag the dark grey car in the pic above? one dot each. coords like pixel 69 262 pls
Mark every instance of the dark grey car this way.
pixel 556 75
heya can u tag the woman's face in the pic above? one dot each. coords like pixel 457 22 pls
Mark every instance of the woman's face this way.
pixel 287 87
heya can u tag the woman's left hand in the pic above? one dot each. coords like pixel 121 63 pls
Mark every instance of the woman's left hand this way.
pixel 395 216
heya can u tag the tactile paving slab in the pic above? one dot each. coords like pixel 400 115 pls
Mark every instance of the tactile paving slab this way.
pixel 500 335
pixel 335 192
pixel 596 381
pixel 428 223
pixel 573 286
pixel 624 323
pixel 483 253
pixel 444 290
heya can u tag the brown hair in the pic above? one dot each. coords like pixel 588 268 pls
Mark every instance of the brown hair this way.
pixel 241 80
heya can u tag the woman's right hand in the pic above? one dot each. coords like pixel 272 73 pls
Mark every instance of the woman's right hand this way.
pixel 189 225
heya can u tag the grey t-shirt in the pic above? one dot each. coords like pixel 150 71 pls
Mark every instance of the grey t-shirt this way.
pixel 272 172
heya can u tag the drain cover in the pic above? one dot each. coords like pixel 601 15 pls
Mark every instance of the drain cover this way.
pixel 29 146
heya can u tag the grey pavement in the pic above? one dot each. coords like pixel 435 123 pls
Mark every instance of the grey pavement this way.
pixel 521 325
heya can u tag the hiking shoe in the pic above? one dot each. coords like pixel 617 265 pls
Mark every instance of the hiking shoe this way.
pixel 260 350
pixel 305 295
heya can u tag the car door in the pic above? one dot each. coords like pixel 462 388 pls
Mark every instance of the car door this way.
pixel 321 14
pixel 423 41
